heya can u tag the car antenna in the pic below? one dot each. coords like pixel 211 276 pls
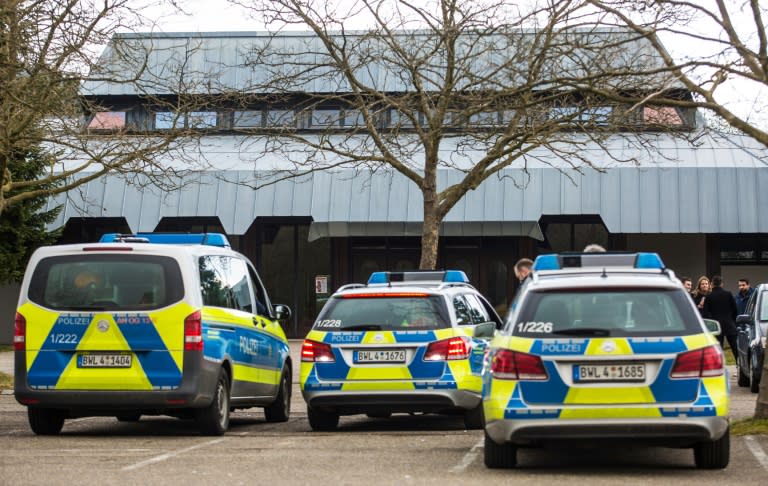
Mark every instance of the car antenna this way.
pixel 604 275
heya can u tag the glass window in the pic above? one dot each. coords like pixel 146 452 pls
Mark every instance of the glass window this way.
pixel 621 312
pixel 106 282
pixel 248 119
pixel 484 119
pixel 463 314
pixel 325 118
pixel 107 120
pixel 214 282
pixel 353 118
pixel 383 314
pixel 398 119
pixel 238 282
pixel 166 120
pixel 281 119
pixel 476 310
pixel 764 306
pixel 568 114
pixel 263 305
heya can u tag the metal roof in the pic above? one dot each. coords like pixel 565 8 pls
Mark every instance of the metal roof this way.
pixel 713 186
pixel 216 62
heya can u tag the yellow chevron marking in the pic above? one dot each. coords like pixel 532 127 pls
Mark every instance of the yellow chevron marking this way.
pixel 377 386
pixel 74 378
pixel 496 402
pixel 619 395
pixel 621 347
pixel 379 373
pixel 385 337
pixel 717 389
pixel 39 324
pixel 608 413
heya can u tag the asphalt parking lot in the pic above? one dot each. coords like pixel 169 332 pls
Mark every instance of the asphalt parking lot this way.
pixel 404 449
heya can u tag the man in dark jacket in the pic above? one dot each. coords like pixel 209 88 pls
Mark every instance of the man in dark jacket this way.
pixel 742 296
pixel 721 306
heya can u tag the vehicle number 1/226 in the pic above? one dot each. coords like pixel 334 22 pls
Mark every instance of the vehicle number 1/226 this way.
pixel 534 326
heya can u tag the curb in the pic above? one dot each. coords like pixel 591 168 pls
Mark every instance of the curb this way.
pixel 6 392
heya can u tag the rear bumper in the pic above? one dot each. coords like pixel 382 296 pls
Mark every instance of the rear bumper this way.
pixel 661 431
pixel 352 402
pixel 196 390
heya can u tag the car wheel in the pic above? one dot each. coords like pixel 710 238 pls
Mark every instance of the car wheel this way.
pixel 497 456
pixel 214 419
pixel 129 417
pixel 321 420
pixel 379 415
pixel 743 377
pixel 754 385
pixel 473 418
pixel 280 409
pixel 713 454
pixel 44 421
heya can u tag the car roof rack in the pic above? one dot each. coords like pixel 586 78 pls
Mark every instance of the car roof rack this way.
pixel 209 239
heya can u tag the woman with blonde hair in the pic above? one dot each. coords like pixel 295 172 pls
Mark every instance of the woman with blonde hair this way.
pixel 700 293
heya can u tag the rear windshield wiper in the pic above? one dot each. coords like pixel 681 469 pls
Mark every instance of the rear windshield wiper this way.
pixel 583 331
pixel 362 327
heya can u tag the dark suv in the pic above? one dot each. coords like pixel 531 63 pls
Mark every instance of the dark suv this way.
pixel 753 329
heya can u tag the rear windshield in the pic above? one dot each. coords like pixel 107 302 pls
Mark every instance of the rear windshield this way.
pixel 619 312
pixel 383 314
pixel 106 282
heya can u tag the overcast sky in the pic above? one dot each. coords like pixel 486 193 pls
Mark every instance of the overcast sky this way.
pixel 220 15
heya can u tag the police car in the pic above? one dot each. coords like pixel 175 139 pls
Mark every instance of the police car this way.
pixel 146 324
pixel 405 342
pixel 605 346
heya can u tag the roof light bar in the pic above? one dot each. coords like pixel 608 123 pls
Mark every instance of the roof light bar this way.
pixel 446 276
pixel 211 239
pixel 644 260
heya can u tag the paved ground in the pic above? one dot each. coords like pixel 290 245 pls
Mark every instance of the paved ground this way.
pixel 401 450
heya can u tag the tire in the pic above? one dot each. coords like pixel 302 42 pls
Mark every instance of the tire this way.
pixel 713 454
pixel 473 418
pixel 280 409
pixel 743 380
pixel 499 456
pixel 44 421
pixel 129 417
pixel 214 419
pixel 322 421
pixel 754 385
pixel 379 415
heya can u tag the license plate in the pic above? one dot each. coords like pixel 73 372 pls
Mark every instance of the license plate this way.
pixel 624 372
pixel 104 361
pixel 379 356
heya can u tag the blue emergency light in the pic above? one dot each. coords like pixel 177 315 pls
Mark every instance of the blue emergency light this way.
pixel 447 276
pixel 649 261
pixel 211 239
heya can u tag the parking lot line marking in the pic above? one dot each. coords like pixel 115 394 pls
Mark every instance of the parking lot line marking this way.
pixel 754 447
pixel 168 455
pixel 468 458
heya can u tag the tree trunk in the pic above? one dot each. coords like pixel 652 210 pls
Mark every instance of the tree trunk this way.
pixel 429 238
pixel 761 407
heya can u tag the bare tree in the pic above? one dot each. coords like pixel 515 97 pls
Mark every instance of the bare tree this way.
pixel 476 87
pixel 722 52
pixel 48 48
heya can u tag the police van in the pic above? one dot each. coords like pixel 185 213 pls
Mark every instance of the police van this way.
pixel 605 347
pixel 148 324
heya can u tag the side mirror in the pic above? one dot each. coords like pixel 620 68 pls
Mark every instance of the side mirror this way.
pixel 282 312
pixel 744 319
pixel 485 330
pixel 713 326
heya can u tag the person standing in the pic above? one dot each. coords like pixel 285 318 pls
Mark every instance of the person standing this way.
pixel 523 269
pixel 721 306
pixel 742 296
pixel 687 284
pixel 700 294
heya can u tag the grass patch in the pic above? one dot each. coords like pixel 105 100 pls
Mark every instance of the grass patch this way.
pixel 6 347
pixel 750 426
pixel 6 381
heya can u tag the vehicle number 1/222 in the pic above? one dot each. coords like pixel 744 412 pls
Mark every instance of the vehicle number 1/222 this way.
pixel 64 338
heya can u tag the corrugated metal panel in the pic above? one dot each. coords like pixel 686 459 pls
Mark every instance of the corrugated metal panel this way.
pixel 222 61
pixel 701 195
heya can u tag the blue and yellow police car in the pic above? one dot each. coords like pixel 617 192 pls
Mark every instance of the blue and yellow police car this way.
pixel 405 342
pixel 605 346
pixel 175 324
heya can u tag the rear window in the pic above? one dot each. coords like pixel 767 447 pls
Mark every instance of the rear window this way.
pixel 763 307
pixel 106 282
pixel 383 314
pixel 619 312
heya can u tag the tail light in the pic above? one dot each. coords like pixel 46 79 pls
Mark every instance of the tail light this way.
pixel 698 363
pixel 193 332
pixel 315 351
pixel 512 365
pixel 448 349
pixel 19 333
